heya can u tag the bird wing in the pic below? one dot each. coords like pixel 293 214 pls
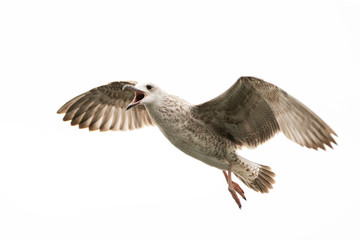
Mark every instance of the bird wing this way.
pixel 104 108
pixel 252 111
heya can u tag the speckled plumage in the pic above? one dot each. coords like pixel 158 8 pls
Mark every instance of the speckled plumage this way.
pixel 247 114
pixel 189 134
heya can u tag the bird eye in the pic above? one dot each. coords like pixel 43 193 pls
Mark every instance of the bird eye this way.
pixel 149 87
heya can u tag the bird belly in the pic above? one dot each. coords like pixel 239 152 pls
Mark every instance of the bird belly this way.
pixel 198 149
pixel 190 136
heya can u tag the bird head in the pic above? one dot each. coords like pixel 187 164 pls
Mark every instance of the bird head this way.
pixel 144 94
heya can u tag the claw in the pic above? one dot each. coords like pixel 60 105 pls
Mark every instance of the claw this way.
pixel 235 197
pixel 239 190
pixel 234 188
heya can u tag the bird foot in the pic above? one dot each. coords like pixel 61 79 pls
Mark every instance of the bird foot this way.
pixel 234 188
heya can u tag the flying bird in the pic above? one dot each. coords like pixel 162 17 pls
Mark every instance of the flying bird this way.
pixel 250 112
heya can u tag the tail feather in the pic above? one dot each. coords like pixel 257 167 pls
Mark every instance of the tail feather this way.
pixel 256 176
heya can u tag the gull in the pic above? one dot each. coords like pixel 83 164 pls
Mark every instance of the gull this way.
pixel 249 113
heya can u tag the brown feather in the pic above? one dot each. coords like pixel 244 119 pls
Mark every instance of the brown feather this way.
pixel 104 108
pixel 252 111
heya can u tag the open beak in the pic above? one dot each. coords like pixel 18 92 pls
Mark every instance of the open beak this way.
pixel 139 95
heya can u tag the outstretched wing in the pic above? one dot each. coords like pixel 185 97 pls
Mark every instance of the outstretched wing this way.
pixel 104 108
pixel 252 111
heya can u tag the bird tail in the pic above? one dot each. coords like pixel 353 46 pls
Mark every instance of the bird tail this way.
pixel 256 176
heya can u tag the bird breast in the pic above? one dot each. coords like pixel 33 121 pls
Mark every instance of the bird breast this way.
pixel 173 117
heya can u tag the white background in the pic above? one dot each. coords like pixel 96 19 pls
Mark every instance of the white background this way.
pixel 59 182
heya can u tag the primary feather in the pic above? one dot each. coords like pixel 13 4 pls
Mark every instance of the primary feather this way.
pixel 104 108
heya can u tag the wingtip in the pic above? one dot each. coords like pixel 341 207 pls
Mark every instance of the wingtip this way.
pixel 60 110
pixel 322 146
pixel 329 145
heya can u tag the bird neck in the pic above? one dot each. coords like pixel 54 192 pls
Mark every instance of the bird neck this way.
pixel 167 110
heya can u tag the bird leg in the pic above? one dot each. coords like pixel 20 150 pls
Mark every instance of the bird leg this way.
pixel 233 187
